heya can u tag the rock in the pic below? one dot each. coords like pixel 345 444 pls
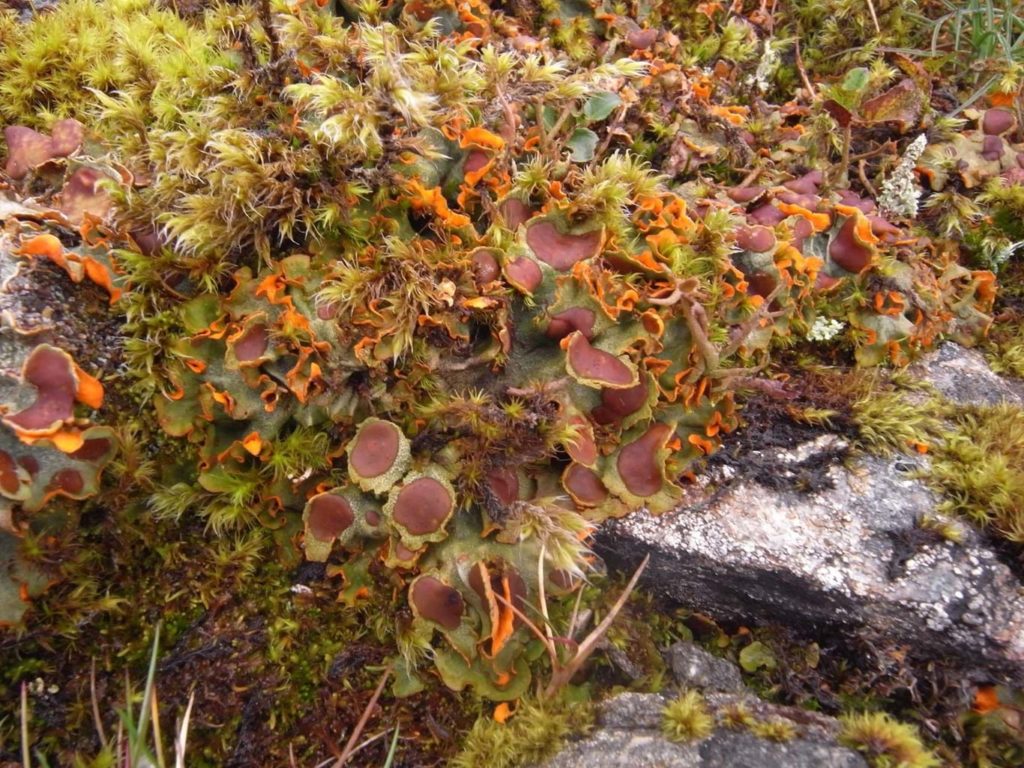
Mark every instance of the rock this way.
pixel 728 749
pixel 693 667
pixel 847 554
pixel 628 735
pixel 962 376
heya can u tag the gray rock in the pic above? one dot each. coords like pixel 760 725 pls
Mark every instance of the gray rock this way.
pixel 847 556
pixel 628 735
pixel 632 712
pixel 627 749
pixel 963 376
pixel 693 667
pixel 731 749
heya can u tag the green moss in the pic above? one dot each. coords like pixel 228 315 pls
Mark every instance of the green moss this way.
pixel 885 742
pixel 777 730
pixel 889 422
pixel 50 63
pixel 535 732
pixel 980 468
pixel 687 718
pixel 736 717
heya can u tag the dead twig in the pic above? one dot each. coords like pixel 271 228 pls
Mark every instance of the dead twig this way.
pixel 350 746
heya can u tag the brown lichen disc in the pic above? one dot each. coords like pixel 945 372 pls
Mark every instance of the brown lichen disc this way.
pixel 584 485
pixel 504 483
pixel 252 344
pixel 767 214
pixel 375 449
pixel 92 449
pixel 997 121
pixel 423 506
pixel 583 448
pixel 9 481
pixel 515 212
pixel 329 516
pixel 50 371
pixel 745 194
pixel 616 404
pixel 756 239
pixel 761 284
pixel 845 251
pixel 82 194
pixel 524 274
pixel 638 464
pixel 597 365
pixel 68 481
pixel 66 136
pixel 26 149
pixel 573 319
pixel 475 160
pixel 559 250
pixel 992 148
pixel 434 600
pixel 485 266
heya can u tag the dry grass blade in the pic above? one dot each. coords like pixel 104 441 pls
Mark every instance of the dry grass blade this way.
pixel 350 747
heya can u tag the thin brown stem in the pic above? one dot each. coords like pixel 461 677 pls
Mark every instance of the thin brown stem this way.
pixel 803 72
pixel 363 720
pixel 564 675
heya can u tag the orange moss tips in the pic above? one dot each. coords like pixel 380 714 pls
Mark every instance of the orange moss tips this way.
pixel 327 517
pixel 573 319
pixel 560 250
pixel 596 368
pixel 421 507
pixel 852 247
pixel 641 463
pixel 524 273
pixel 435 601
pixel 584 486
pixel 378 455
pixel 59 383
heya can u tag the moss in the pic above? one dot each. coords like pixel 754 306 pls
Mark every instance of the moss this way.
pixel 687 718
pixel 777 730
pixel 535 732
pixel 980 468
pixel 50 63
pixel 889 422
pixel 736 717
pixel 885 742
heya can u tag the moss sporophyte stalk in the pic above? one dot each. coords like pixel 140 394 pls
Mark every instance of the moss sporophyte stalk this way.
pixel 416 300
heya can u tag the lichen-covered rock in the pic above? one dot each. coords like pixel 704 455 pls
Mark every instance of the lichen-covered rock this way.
pixel 962 376
pixel 693 667
pixel 629 736
pixel 849 555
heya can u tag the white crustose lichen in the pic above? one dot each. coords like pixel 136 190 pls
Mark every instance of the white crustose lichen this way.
pixel 901 192
pixel 825 329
